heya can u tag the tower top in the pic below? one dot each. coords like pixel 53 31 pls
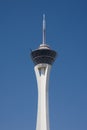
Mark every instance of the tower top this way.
pixel 43 54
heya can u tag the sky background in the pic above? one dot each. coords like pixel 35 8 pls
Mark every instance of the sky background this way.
pixel 20 31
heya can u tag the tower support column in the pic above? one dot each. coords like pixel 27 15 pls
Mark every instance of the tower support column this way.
pixel 42 72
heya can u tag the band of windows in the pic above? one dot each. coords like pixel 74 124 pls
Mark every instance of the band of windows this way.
pixel 43 56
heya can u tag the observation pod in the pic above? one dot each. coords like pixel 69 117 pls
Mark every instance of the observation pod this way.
pixel 43 58
pixel 43 55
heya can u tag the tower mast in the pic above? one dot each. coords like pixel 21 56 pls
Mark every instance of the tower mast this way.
pixel 44 30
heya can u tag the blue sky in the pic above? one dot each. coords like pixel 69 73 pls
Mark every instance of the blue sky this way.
pixel 20 30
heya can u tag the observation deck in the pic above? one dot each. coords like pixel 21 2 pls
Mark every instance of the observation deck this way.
pixel 43 55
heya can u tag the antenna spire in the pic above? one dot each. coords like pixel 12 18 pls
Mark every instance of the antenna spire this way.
pixel 44 30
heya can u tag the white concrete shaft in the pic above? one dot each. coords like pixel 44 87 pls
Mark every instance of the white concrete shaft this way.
pixel 42 72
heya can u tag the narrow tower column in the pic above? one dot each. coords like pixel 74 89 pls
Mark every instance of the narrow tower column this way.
pixel 42 74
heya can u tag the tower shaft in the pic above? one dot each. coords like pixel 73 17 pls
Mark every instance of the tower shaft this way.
pixel 42 72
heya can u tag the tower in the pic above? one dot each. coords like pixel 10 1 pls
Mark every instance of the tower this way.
pixel 43 58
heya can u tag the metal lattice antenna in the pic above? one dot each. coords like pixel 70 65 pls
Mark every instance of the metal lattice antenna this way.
pixel 44 30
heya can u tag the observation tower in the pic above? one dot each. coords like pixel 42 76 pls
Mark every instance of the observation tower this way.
pixel 43 58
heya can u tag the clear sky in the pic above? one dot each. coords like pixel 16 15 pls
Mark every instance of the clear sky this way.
pixel 20 31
